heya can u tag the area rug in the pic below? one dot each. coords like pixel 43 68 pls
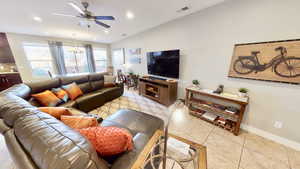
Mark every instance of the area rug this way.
pixel 132 100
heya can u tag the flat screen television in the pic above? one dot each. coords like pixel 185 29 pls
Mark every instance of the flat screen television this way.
pixel 164 63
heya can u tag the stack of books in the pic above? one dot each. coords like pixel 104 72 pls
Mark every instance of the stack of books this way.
pixel 232 110
pixel 210 116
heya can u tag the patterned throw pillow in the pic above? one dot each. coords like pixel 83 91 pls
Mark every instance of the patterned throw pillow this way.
pixel 56 112
pixel 47 98
pixel 60 93
pixel 109 79
pixel 73 90
pixel 108 141
pixel 79 122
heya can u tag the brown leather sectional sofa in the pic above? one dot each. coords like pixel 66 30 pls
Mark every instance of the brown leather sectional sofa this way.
pixel 37 140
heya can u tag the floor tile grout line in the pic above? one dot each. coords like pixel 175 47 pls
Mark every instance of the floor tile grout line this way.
pixel 209 134
pixel 242 151
pixel 288 157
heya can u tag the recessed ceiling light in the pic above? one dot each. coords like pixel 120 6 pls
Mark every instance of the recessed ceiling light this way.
pixel 38 19
pixel 106 31
pixel 129 15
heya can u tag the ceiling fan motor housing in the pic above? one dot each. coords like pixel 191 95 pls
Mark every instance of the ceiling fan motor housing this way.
pixel 85 5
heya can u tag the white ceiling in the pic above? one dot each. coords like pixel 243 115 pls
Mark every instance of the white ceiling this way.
pixel 17 16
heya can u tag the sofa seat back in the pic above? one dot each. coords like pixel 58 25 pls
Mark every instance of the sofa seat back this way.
pixel 37 140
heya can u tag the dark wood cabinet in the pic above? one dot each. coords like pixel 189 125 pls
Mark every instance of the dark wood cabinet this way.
pixel 9 79
pixel 161 91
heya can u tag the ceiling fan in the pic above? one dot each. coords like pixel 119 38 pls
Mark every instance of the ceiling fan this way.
pixel 86 14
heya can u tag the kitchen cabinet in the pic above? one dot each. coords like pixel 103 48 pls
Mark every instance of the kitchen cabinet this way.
pixel 9 79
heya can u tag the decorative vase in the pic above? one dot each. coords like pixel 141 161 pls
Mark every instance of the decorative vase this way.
pixel 242 94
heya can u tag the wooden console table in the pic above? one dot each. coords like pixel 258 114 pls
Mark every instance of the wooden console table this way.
pixel 207 101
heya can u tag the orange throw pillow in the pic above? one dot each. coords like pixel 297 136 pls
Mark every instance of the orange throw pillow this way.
pixel 47 98
pixel 79 122
pixel 73 90
pixel 60 93
pixel 56 112
pixel 108 141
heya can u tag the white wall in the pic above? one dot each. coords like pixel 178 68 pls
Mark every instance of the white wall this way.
pixel 206 40
pixel 16 43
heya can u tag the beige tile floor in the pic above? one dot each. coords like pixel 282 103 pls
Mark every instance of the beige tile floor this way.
pixel 224 150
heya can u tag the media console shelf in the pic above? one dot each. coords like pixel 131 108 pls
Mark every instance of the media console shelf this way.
pixel 223 110
pixel 162 91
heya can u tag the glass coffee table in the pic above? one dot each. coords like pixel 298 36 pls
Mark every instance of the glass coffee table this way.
pixel 181 154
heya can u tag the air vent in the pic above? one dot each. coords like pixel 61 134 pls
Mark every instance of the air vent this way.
pixel 183 9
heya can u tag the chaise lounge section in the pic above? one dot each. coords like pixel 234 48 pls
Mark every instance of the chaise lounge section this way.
pixel 37 140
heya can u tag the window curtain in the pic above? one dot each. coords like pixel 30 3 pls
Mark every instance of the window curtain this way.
pixel 90 57
pixel 57 52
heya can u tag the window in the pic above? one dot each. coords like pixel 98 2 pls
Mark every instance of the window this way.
pixel 100 57
pixel 118 59
pixel 39 57
pixel 75 60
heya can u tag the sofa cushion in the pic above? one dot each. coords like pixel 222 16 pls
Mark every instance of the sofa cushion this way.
pixel 81 80
pixel 90 101
pixel 52 144
pixel 97 80
pixel 37 87
pixel 136 122
pixel 69 104
pixel 111 93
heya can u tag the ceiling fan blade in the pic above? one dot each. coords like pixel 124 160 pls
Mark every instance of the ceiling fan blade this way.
pixel 102 24
pixel 67 15
pixel 77 8
pixel 104 17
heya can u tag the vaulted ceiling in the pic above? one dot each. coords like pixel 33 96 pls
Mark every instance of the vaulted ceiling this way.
pixel 17 16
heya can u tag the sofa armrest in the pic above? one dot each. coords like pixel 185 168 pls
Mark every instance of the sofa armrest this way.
pixel 3 127
pixel 121 85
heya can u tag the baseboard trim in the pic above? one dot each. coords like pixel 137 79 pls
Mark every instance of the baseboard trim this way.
pixel 289 143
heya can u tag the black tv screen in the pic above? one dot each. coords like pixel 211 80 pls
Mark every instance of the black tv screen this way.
pixel 164 63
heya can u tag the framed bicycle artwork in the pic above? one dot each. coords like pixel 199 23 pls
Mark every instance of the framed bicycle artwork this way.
pixel 277 61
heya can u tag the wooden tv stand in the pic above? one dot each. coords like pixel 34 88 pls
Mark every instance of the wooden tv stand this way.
pixel 162 91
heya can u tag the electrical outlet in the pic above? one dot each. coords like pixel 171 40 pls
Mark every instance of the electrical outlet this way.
pixel 278 124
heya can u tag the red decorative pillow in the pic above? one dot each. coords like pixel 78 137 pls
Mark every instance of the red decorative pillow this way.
pixel 56 112
pixel 47 98
pixel 79 122
pixel 73 90
pixel 108 141
pixel 60 93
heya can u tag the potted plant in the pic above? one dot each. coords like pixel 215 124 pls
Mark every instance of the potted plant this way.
pixel 196 83
pixel 243 92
